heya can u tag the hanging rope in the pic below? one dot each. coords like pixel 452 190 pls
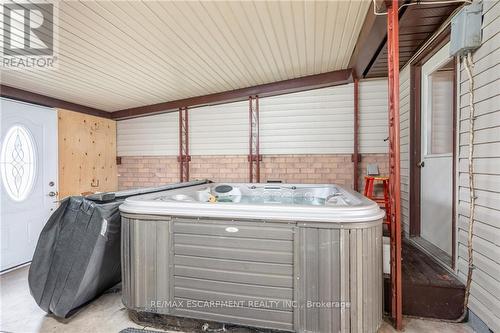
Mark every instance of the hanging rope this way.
pixel 468 63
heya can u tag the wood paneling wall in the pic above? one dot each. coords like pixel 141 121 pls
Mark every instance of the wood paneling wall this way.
pixel 87 154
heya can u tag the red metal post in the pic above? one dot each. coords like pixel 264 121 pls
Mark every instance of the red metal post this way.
pixel 257 140
pixel 394 161
pixel 184 157
pixel 355 158
pixel 254 157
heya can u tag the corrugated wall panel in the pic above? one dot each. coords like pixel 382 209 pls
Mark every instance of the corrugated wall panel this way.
pixel 485 290
pixel 373 123
pixel 311 122
pixel 219 129
pixel 152 135
pixel 404 100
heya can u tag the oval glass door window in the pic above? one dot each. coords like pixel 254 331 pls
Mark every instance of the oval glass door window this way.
pixel 18 162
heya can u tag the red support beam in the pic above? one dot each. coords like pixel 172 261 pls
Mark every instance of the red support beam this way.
pixel 394 162
pixel 355 157
pixel 184 158
pixel 31 97
pixel 254 156
pixel 303 83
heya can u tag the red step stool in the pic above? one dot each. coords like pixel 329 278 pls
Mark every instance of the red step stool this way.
pixel 384 201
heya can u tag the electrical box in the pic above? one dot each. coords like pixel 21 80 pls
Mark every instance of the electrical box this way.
pixel 466 29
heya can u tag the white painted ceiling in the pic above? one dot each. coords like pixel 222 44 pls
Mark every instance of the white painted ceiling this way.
pixel 114 55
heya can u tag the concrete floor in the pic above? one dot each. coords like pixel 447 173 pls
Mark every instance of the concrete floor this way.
pixel 20 314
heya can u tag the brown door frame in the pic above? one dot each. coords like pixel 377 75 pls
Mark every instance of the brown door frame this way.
pixel 415 137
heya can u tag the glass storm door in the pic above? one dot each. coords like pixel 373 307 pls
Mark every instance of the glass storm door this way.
pixel 28 177
pixel 436 164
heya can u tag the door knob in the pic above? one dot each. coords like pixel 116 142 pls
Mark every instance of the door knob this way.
pixel 52 194
pixel 421 164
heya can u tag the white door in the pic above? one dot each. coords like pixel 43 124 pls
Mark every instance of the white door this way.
pixel 28 167
pixel 436 194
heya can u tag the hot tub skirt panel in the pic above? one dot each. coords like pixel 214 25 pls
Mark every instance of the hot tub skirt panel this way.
pixel 146 259
pixel 287 277
pixel 340 275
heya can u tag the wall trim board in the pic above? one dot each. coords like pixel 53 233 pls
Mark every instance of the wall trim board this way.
pixel 34 98
pixel 309 82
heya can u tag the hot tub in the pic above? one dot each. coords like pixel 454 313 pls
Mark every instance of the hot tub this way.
pixel 294 257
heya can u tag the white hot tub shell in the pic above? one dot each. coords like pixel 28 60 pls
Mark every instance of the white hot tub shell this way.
pixel 303 258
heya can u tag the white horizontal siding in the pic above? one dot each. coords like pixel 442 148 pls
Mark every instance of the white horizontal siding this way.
pixel 219 129
pixel 311 122
pixel 373 123
pixel 485 292
pixel 404 110
pixel 152 135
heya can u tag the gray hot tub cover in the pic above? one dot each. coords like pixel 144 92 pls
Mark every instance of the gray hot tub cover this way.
pixel 77 257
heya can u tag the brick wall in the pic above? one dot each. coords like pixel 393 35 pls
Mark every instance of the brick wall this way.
pixel 156 170
pixel 312 169
pixel 228 168
pixel 146 171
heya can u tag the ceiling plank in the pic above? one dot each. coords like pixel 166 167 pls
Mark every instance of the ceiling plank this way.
pixel 417 23
pixel 30 97
pixel 120 55
pixel 372 36
pixel 264 90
